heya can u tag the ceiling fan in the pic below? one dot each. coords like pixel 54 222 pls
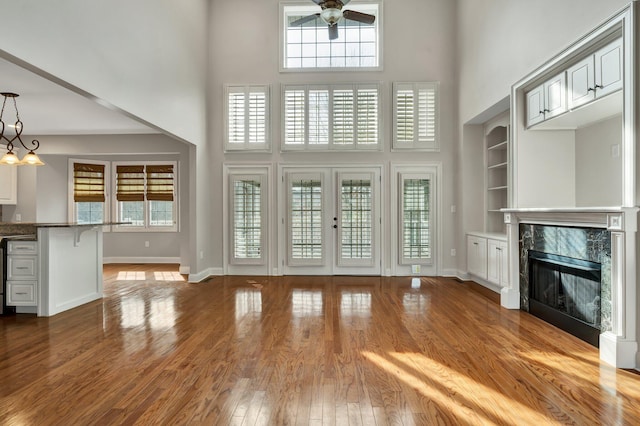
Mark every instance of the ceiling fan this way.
pixel 331 14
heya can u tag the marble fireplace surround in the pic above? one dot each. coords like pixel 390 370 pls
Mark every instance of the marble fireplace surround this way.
pixel 619 338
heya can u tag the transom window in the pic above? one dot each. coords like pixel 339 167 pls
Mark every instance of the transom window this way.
pixel 415 116
pixel 247 118
pixel 307 46
pixel 329 117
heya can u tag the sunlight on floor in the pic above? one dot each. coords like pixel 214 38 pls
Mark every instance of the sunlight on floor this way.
pixel 168 276
pixel 454 392
pixel 131 276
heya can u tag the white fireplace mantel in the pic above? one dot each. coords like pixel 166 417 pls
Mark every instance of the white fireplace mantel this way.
pixel 618 347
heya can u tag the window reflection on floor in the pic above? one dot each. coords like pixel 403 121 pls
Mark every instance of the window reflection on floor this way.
pixel 167 276
pixel 306 303
pixel 415 303
pixel 355 303
pixel 248 301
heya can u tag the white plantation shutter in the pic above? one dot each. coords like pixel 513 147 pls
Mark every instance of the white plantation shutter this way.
pixel 343 131
pixel 367 116
pixel 294 116
pixel 415 116
pixel 331 116
pixel 415 218
pixel 247 117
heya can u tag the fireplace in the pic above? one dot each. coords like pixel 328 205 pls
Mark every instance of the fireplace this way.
pixel 566 292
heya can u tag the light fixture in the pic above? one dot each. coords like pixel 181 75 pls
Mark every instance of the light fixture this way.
pixel 331 15
pixel 10 157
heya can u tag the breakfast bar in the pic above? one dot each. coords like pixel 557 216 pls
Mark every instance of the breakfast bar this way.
pixel 52 267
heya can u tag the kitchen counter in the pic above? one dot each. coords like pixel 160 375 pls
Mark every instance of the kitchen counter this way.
pixel 69 262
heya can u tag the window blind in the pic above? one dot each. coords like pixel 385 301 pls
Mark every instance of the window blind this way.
pixel 415 115
pixel 339 116
pixel 247 219
pixel 88 182
pixel 160 182
pixel 236 116
pixel 130 183
pixel 416 219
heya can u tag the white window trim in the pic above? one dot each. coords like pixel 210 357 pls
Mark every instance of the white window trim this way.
pixel 330 146
pixel 312 9
pixel 147 227
pixel 437 252
pixel 71 205
pixel 417 145
pixel 247 146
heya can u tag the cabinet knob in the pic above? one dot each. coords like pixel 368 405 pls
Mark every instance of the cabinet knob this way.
pixel 591 89
pixel 598 87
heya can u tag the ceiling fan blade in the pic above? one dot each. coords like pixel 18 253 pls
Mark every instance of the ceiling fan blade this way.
pixel 333 32
pixel 318 2
pixel 304 20
pixel 365 18
pixel 344 2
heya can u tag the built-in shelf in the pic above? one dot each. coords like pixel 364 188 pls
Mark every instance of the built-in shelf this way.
pixel 498 166
pixel 501 145
pixel 496 142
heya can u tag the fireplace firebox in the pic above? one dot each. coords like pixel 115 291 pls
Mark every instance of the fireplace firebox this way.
pixel 566 292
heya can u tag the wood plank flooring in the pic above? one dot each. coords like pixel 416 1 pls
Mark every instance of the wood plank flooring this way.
pixel 301 351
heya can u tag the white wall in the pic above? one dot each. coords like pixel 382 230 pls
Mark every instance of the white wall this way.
pixel 145 57
pixel 418 46
pixel 598 172
pixel 501 41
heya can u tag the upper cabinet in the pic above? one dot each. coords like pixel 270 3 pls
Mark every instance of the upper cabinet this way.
pixel 547 100
pixel 596 75
pixel 8 184
pixel 592 77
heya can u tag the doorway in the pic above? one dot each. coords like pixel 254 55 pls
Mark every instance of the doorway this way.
pixel 330 221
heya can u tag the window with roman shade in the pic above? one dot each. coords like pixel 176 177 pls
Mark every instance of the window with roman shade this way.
pixel 88 182
pixel 415 116
pixel 247 118
pixel 146 195
pixel 88 191
pixel 331 117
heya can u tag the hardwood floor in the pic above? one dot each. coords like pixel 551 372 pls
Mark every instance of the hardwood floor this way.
pixel 301 350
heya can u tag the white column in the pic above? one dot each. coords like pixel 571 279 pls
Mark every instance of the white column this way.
pixel 510 295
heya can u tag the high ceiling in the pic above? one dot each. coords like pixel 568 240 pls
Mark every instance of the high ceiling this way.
pixel 47 108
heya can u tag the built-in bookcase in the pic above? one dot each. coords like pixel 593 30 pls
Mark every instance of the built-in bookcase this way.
pixel 497 171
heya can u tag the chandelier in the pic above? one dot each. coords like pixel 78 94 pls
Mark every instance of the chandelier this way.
pixel 10 157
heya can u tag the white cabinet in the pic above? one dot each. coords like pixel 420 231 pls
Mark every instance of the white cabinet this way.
pixel 487 257
pixel 22 273
pixel 8 184
pixel 497 262
pixel 477 256
pixel 596 75
pixel 547 100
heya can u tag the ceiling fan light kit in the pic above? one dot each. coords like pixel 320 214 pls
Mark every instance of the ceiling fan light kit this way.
pixel 10 158
pixel 332 13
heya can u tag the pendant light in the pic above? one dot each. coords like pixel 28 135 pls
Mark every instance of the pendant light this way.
pixel 10 157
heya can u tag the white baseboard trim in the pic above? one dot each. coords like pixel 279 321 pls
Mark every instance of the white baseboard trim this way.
pixel 203 275
pixel 184 270
pixel 108 260
pixel 485 283
pixel 449 273
pixel 618 352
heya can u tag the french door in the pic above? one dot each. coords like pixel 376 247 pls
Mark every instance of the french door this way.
pixel 331 221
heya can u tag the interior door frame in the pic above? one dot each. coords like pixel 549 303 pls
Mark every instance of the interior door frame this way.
pixel 333 170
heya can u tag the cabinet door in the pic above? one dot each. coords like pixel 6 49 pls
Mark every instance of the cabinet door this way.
pixel 609 68
pixel 581 83
pixel 477 256
pixel 493 261
pixel 555 96
pixel 8 184
pixel 535 106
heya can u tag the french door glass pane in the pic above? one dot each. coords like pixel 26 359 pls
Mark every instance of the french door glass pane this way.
pixel 247 220
pixel 415 224
pixel 306 219
pixel 356 219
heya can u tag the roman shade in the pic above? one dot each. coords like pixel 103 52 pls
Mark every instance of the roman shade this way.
pixel 160 182
pixel 130 183
pixel 88 182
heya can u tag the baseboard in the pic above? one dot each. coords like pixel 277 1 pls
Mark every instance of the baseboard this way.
pixel 108 260
pixel 184 270
pixel 203 275
pixel 484 283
